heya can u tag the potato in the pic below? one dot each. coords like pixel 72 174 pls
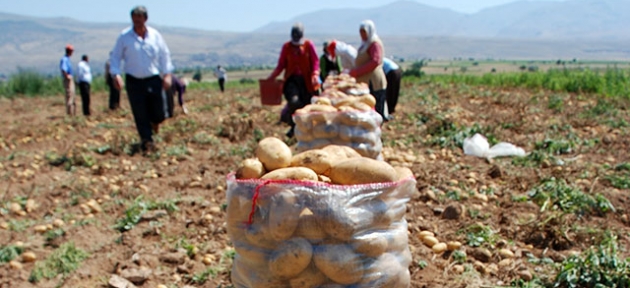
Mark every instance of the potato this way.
pixel 303 135
pixel 250 169
pixel 309 227
pixel 318 160
pixel 256 278
pixel 283 215
pixel 258 233
pixel 291 258
pixel 361 106
pixel 315 144
pixel 371 244
pixel 430 241
pixel 325 131
pixel 273 153
pixel 382 273
pixel 398 239
pixel 343 223
pixel 253 256
pixel 362 171
pixel 323 101
pixel 311 277
pixel 367 99
pixel 339 152
pixel 364 119
pixel 316 108
pixel 403 172
pixel 339 263
pixel 238 210
pixel 291 173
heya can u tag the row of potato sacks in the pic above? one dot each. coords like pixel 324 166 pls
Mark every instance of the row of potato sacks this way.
pixel 343 115
pixel 326 217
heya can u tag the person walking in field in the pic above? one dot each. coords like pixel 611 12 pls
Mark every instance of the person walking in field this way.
pixel 65 65
pixel 393 74
pixel 221 75
pixel 114 94
pixel 300 63
pixel 85 81
pixel 148 72
pixel 369 65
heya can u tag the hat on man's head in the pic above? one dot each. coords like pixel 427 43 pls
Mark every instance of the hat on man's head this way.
pixel 70 47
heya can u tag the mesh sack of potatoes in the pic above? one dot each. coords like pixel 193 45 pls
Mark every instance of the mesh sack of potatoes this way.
pixel 319 125
pixel 320 218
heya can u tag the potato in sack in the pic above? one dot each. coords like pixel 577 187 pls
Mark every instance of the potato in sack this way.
pixel 273 153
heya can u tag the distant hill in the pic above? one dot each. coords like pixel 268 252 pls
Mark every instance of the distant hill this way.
pixel 576 19
pixel 583 29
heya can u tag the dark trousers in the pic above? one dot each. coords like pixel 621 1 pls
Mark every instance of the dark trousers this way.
pixel 84 89
pixel 297 97
pixel 380 96
pixel 114 94
pixel 148 104
pixel 393 89
pixel 222 84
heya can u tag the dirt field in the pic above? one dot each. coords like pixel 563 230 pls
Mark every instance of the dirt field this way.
pixel 77 181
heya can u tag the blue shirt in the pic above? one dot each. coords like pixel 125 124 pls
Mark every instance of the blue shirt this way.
pixel 389 65
pixel 144 57
pixel 65 65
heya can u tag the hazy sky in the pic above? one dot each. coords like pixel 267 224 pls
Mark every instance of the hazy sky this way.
pixel 224 15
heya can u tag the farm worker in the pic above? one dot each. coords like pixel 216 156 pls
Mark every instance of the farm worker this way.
pixel 300 63
pixel 221 75
pixel 85 80
pixel 178 87
pixel 369 65
pixel 114 94
pixel 328 65
pixel 393 73
pixel 68 82
pixel 346 53
pixel 148 71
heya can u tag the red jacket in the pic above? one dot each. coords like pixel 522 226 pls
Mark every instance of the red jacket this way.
pixel 299 60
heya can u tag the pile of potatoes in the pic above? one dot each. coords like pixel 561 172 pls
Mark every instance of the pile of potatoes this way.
pixel 321 218
pixel 343 115
pixel 321 125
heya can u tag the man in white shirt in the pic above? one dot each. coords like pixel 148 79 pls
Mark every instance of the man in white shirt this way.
pixel 221 75
pixel 148 70
pixel 85 80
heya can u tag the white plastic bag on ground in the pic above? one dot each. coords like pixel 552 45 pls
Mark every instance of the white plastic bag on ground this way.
pixel 478 145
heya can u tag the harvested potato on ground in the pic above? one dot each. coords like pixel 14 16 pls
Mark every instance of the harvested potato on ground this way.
pixel 339 263
pixel 250 169
pixel 291 173
pixel 284 212
pixel 318 160
pixel 311 277
pixel 362 171
pixel 309 227
pixel 273 153
pixel 291 258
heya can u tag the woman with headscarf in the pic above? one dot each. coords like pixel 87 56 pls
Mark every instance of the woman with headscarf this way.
pixel 300 63
pixel 369 65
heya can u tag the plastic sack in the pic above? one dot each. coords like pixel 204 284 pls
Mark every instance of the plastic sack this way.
pixel 360 130
pixel 478 145
pixel 310 234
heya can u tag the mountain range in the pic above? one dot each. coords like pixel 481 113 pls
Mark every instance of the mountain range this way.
pixel 584 29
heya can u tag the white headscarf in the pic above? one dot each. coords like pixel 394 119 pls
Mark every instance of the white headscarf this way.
pixel 370 30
